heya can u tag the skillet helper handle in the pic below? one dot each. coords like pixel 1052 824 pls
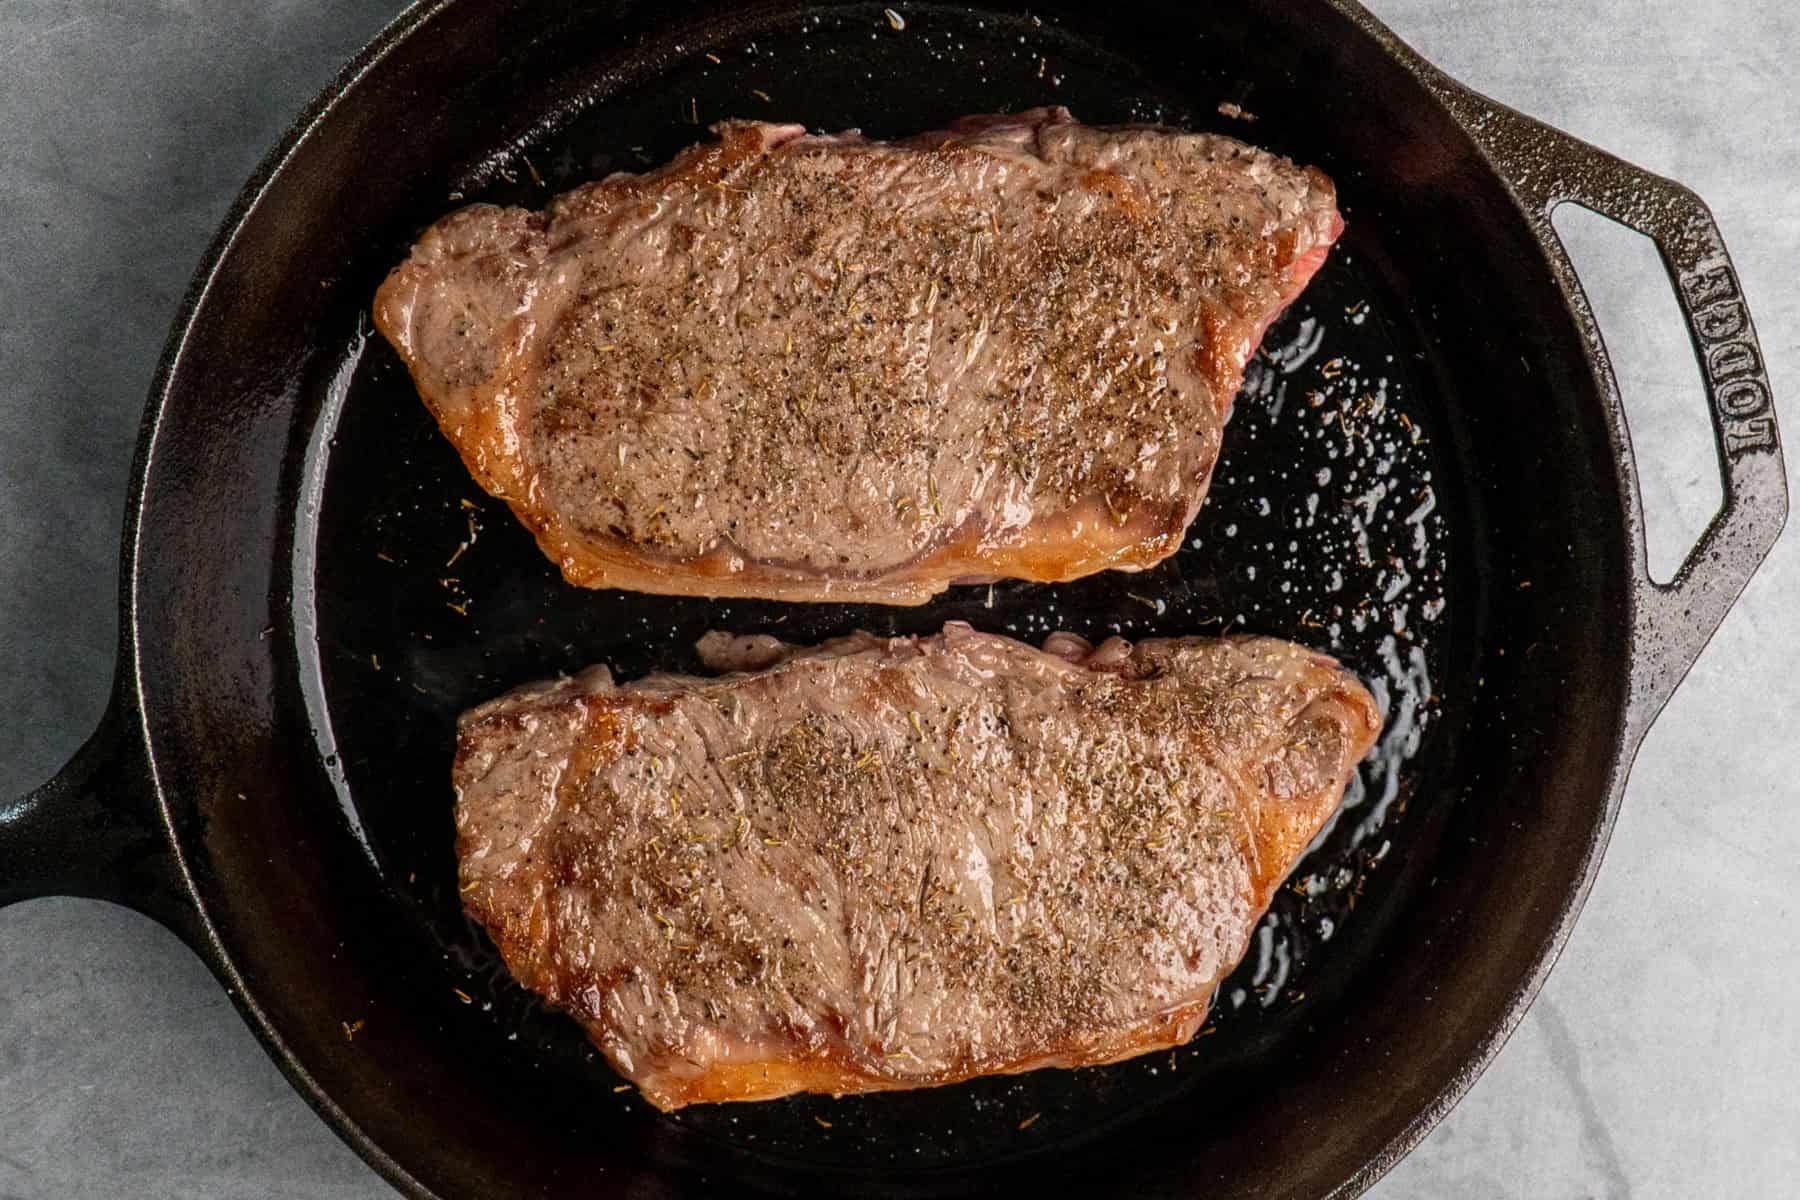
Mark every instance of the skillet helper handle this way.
pixel 95 830
pixel 1672 622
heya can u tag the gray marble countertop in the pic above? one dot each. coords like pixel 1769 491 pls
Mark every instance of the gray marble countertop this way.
pixel 1659 1060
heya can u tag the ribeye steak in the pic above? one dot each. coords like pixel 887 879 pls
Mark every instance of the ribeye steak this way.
pixel 827 368
pixel 894 863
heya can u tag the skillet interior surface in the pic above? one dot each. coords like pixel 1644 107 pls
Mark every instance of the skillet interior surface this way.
pixel 1365 503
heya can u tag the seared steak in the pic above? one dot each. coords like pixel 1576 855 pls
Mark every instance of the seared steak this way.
pixel 896 863
pixel 826 368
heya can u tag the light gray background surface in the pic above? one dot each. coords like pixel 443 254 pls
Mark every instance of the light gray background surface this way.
pixel 1660 1060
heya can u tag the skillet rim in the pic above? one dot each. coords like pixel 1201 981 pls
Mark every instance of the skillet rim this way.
pixel 202 932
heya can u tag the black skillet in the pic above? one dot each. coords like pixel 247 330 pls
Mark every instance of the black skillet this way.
pixel 1428 472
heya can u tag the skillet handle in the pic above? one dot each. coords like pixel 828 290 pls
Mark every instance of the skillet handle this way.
pixel 1671 622
pixel 95 830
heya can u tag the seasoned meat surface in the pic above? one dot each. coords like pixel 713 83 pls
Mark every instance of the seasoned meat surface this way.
pixel 827 368
pixel 894 863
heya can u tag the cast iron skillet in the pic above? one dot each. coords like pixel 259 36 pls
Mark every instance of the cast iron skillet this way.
pixel 1428 472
